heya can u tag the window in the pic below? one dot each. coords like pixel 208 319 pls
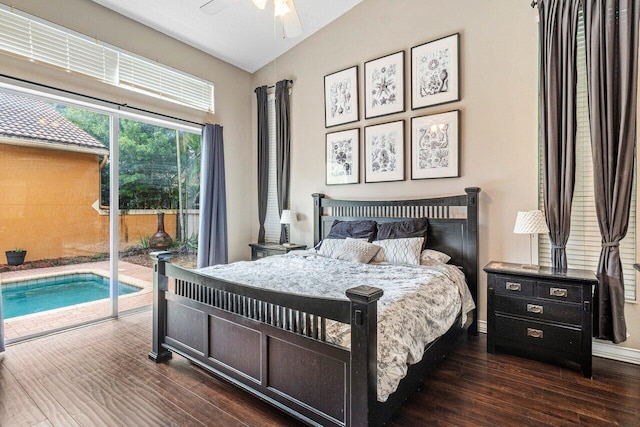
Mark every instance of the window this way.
pixel 584 245
pixel 32 39
pixel 272 220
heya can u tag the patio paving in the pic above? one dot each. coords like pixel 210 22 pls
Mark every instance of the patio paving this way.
pixel 133 274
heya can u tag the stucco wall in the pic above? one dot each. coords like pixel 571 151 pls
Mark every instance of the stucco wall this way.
pixel 499 118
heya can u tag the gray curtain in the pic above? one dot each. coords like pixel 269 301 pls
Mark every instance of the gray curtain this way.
pixel 558 76
pixel 611 30
pixel 263 158
pixel 1 324
pixel 212 238
pixel 283 148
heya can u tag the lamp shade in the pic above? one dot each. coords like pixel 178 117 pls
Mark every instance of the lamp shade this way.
pixel 287 217
pixel 530 222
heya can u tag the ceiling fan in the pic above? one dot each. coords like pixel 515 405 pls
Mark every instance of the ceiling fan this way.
pixel 285 9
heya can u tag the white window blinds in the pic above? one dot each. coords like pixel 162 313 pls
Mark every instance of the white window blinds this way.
pixel 272 221
pixel 584 245
pixel 22 36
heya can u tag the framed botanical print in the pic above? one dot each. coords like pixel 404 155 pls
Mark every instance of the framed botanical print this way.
pixel 341 97
pixel 384 85
pixel 435 146
pixel 435 71
pixel 384 152
pixel 343 157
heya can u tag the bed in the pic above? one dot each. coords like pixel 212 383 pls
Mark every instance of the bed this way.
pixel 274 343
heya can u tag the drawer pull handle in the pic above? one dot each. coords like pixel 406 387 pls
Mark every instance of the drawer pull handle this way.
pixel 535 333
pixel 558 292
pixel 533 308
pixel 513 286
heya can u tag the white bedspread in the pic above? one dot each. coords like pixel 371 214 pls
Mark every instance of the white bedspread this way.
pixel 419 303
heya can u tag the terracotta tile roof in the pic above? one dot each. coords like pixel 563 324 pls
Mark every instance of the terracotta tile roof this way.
pixel 32 119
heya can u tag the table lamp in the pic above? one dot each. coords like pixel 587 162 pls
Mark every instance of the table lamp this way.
pixel 287 218
pixel 530 222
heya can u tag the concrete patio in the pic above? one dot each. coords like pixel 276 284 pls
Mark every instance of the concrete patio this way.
pixel 132 274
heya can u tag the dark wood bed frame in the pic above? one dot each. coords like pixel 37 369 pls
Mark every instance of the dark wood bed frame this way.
pixel 273 345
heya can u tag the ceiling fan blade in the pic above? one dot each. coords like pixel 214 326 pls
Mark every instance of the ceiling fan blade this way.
pixel 291 22
pixel 214 7
pixel 260 4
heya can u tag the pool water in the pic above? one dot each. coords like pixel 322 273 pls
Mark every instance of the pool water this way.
pixel 35 296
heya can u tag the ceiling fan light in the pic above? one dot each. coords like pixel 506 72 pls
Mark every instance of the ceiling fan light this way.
pixel 260 4
pixel 281 7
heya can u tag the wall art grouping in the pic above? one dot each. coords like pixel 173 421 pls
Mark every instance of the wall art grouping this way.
pixel 435 138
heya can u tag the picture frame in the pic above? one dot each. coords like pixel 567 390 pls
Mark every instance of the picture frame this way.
pixel 384 85
pixel 435 71
pixel 342 157
pixel 435 146
pixel 384 152
pixel 341 97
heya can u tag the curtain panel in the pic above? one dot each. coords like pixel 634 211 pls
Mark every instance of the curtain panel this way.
pixel 263 158
pixel 611 29
pixel 283 149
pixel 212 236
pixel 558 77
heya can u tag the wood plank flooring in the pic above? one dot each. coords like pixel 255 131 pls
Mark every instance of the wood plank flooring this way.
pixel 99 375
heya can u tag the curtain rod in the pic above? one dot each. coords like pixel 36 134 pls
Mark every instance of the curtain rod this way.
pixel 534 3
pixel 273 86
pixel 93 98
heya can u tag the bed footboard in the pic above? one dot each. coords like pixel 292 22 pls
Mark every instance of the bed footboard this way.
pixel 272 344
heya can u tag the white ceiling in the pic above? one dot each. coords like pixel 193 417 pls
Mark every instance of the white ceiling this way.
pixel 242 34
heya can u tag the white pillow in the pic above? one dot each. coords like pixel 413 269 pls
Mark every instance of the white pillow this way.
pixel 429 255
pixel 399 251
pixel 356 250
pixel 329 246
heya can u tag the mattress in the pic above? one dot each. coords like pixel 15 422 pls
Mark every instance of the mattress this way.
pixel 420 303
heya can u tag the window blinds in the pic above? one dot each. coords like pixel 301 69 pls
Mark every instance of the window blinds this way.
pixel 37 41
pixel 272 221
pixel 584 245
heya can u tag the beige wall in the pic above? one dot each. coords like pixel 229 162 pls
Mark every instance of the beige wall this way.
pixel 232 90
pixel 498 111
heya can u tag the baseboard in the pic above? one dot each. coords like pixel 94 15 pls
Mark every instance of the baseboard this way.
pixel 600 349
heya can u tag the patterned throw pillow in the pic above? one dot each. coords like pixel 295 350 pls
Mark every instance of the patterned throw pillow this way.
pixel 428 256
pixel 329 246
pixel 356 251
pixel 399 251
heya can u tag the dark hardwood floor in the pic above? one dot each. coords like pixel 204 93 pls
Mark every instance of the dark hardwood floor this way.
pixel 100 375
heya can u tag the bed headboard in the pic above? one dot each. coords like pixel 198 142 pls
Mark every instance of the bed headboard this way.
pixel 453 225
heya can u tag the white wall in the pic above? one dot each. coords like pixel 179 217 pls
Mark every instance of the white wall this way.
pixel 232 91
pixel 498 106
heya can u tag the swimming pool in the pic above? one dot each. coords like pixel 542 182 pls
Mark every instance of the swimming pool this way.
pixel 34 296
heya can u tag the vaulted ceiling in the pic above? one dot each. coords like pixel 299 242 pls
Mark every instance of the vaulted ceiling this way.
pixel 241 34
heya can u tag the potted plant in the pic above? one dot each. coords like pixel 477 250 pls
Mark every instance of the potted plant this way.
pixel 16 256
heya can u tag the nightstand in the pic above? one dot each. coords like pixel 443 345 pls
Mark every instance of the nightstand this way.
pixel 539 313
pixel 263 250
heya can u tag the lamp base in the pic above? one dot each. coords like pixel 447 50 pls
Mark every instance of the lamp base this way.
pixel 288 245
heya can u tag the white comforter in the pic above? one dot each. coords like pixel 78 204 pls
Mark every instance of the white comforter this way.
pixel 419 303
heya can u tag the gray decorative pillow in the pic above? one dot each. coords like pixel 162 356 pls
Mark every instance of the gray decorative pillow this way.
pixel 356 250
pixel 355 229
pixel 399 251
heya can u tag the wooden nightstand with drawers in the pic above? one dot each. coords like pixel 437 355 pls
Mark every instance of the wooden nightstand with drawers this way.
pixel 540 313
pixel 263 250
